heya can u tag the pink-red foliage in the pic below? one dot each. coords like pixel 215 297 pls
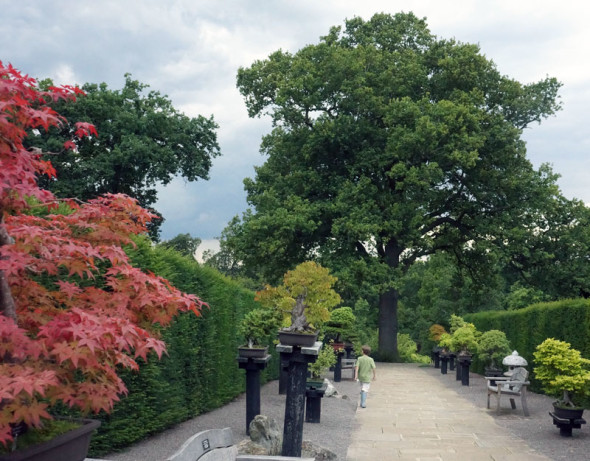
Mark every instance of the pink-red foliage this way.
pixel 73 308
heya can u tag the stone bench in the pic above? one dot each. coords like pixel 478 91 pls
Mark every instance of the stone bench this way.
pixel 217 445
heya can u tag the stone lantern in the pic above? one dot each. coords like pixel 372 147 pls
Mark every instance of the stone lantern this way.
pixel 513 361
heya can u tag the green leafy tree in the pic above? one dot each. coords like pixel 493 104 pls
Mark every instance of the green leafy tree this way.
pixel 184 244
pixel 389 144
pixel 144 141
pixel 562 371
pixel 492 347
pixel 305 298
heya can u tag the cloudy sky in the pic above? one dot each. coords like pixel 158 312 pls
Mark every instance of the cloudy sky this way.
pixel 190 50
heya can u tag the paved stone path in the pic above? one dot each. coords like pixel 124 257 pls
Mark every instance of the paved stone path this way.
pixel 410 416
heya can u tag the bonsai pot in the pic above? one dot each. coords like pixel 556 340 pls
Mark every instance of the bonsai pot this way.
pixel 314 383
pixel 567 412
pixel 294 338
pixel 338 347
pixel 71 446
pixel 252 352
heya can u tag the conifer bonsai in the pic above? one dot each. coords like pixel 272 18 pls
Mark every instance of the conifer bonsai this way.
pixel 257 326
pixel 492 347
pixel 562 372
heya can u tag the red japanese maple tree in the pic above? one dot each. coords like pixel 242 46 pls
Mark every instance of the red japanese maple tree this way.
pixel 72 306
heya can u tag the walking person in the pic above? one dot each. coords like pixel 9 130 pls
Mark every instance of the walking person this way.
pixel 364 368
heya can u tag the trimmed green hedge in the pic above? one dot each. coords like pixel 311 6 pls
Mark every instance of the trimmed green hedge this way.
pixel 200 372
pixel 567 320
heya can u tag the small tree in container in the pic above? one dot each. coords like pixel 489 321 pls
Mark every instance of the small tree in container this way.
pixel 492 347
pixel 562 372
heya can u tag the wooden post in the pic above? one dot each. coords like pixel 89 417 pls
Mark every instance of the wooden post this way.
pixel 283 373
pixel 338 366
pixel 444 360
pixel 252 367
pixel 299 358
pixel 313 403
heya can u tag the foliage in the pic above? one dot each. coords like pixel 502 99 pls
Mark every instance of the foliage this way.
pixel 408 351
pixel 446 342
pixel 48 431
pixel 257 326
pixel 74 310
pixel 493 346
pixel 566 320
pixel 184 244
pixel 435 331
pixel 305 298
pixel 388 145
pixel 464 339
pixel 562 371
pixel 144 141
pixel 521 296
pixel 326 359
pixel 456 322
pixel 199 372
pixel 342 325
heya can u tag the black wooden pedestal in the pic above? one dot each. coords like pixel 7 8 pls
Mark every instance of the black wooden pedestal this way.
pixel 566 425
pixel 444 361
pixel 298 359
pixel 452 362
pixel 464 362
pixel 436 357
pixel 252 367
pixel 313 403
pixel 338 366
pixel 284 372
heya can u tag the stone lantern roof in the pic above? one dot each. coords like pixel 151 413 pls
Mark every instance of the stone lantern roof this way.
pixel 514 360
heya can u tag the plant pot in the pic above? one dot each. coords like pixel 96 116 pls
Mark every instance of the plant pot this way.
pixel 253 352
pixel 71 446
pixel 294 338
pixel 338 347
pixel 567 412
pixel 313 384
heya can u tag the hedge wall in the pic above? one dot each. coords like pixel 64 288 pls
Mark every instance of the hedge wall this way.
pixel 567 320
pixel 200 371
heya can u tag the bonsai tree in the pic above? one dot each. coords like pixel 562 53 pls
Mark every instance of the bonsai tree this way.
pixel 445 342
pixel 562 372
pixel 493 346
pixel 341 325
pixel 326 359
pixel 73 310
pixel 257 325
pixel 305 298
pixel 464 339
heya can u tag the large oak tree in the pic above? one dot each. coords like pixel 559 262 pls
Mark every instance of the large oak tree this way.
pixel 389 144
pixel 144 141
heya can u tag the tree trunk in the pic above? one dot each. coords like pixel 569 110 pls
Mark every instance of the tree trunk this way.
pixel 388 326
pixel 7 306
pixel 388 308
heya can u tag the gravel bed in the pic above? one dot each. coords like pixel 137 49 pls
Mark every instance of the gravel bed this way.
pixel 537 429
pixel 333 432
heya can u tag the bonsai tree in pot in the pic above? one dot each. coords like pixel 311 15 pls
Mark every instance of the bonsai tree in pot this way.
pixel 256 328
pixel 73 310
pixel 492 347
pixel 563 373
pixel 305 298
pixel 340 327
pixel 326 359
pixel 464 336
pixel 445 343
